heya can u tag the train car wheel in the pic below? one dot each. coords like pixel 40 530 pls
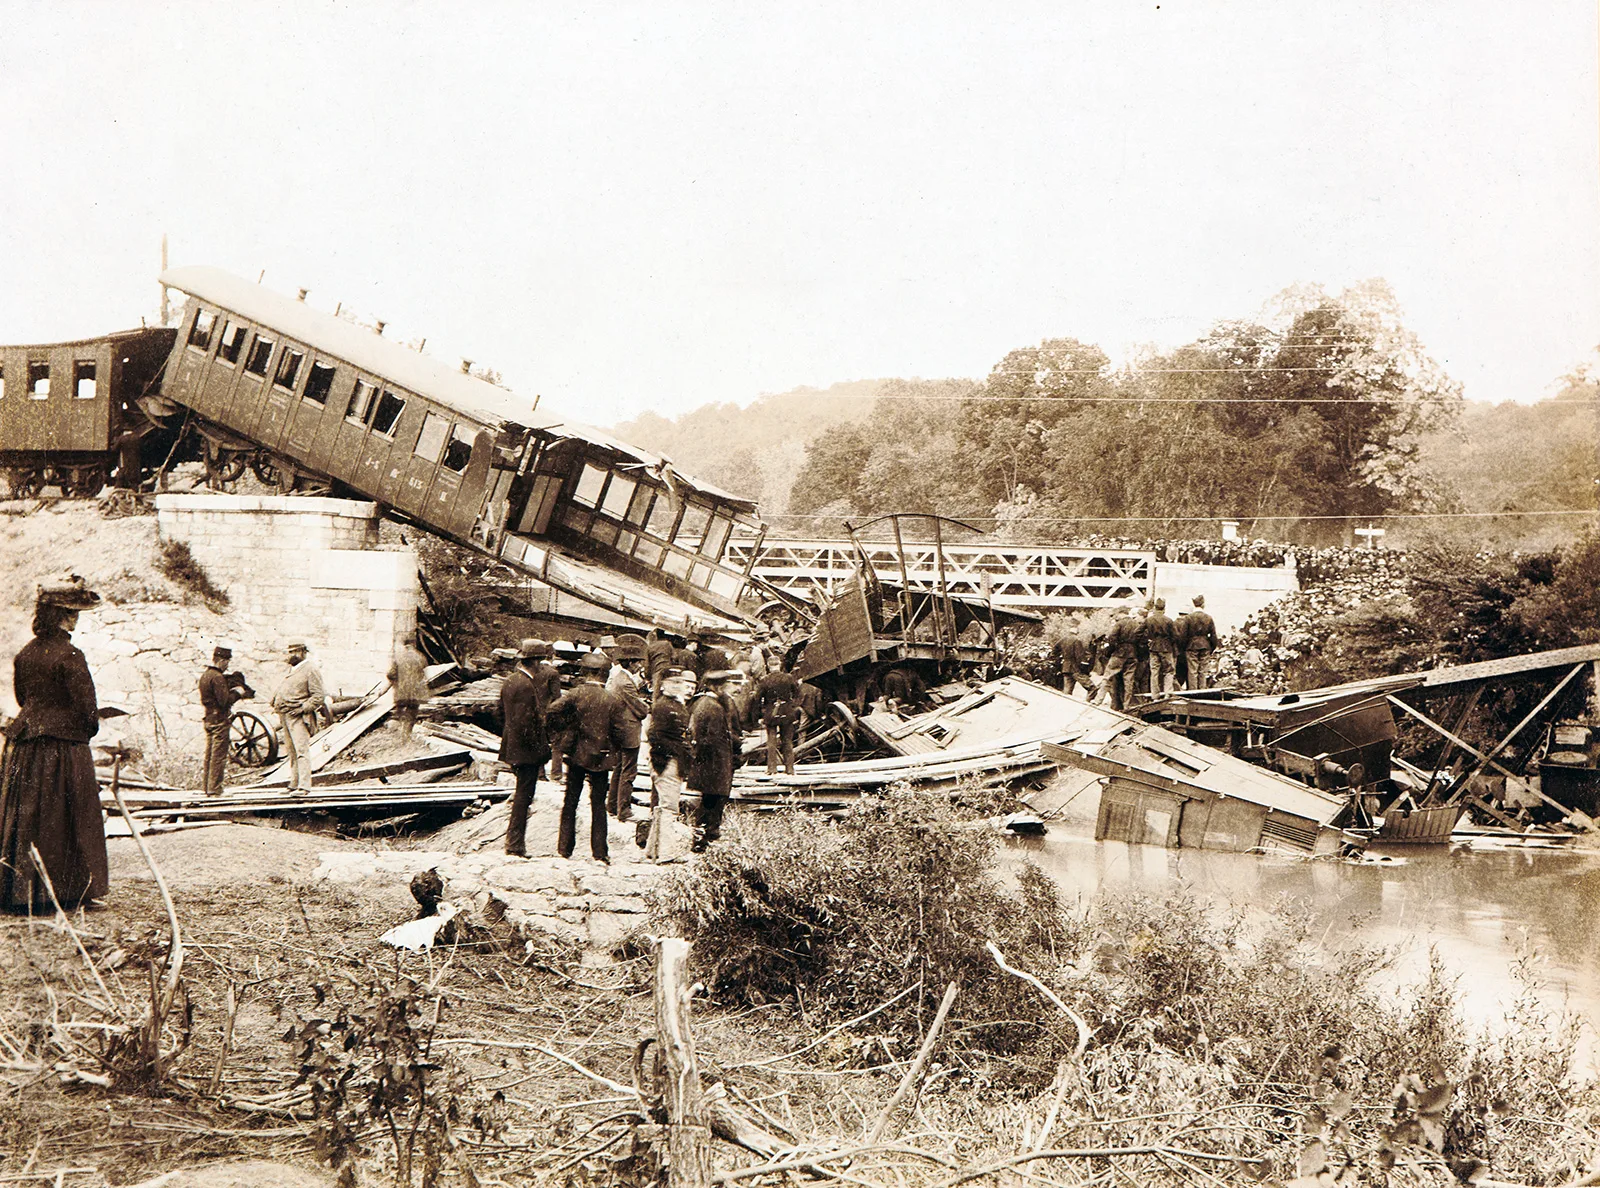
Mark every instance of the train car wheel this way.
pixel 251 742
pixel 26 484
pixel 273 471
pixel 224 466
pixel 84 482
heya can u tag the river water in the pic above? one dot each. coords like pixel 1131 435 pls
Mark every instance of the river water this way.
pixel 1482 911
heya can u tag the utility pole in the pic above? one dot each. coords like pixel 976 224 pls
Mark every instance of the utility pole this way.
pixel 163 273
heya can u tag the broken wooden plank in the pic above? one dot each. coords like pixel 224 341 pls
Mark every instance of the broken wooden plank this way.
pixel 382 771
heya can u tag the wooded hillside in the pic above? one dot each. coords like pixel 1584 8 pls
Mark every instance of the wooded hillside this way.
pixel 1323 414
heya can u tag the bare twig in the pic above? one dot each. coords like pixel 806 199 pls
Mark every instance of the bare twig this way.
pixel 914 1073
pixel 614 1086
pixel 829 1034
pixel 973 1173
pixel 169 993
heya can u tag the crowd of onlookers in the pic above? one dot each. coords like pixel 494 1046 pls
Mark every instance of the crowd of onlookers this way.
pixel 1313 564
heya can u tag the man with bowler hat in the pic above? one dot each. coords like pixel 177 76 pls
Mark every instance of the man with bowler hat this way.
pixel 713 741
pixel 524 743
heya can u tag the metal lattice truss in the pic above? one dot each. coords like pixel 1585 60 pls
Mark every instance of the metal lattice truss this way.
pixel 1030 577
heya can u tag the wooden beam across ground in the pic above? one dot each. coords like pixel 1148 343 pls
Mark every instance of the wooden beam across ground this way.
pixel 244 801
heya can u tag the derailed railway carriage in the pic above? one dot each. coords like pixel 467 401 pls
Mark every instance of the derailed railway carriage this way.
pixel 68 411
pixel 308 399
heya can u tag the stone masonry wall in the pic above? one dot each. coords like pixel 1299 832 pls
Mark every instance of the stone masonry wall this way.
pixel 300 566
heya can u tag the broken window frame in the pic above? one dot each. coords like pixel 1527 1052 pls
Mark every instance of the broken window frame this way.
pixel 259 357
pixel 319 383
pixel 230 343
pixel 38 373
pixel 199 339
pixel 364 394
pixel 289 360
pixel 385 422
pixel 458 449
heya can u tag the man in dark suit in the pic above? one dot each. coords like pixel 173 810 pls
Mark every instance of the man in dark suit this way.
pixel 524 739
pixel 778 695
pixel 713 742
pixel 1200 640
pixel 598 722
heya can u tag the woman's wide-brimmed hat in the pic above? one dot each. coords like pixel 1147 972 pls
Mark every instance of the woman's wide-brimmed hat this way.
pixel 70 592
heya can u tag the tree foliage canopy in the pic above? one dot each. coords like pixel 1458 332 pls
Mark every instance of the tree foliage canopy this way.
pixel 1318 409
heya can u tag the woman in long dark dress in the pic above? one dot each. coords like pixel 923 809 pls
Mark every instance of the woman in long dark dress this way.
pixel 49 797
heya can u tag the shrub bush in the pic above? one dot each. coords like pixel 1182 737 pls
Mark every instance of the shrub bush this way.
pixel 177 564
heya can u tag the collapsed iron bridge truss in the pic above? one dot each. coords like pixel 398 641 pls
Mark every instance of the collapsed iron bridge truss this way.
pixel 1028 577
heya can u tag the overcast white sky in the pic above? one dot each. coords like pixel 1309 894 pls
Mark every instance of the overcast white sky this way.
pixel 632 207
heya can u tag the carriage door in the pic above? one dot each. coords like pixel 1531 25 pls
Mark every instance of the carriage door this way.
pixel 418 465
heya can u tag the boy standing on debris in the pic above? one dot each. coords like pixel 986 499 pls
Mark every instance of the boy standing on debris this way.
pixel 217 695
pixel 595 718
pixel 299 699
pixel 524 744
pixel 408 677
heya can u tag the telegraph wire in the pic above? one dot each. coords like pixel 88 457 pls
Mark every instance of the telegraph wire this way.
pixel 1243 518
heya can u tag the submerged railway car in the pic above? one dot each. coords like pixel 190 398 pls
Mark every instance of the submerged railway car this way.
pixel 302 395
pixel 69 414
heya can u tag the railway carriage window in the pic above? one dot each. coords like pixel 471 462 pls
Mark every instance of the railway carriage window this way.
pixel 288 369
pixel 649 552
pixel 590 483
pixel 232 343
pixel 320 383
pixel 38 381
pixel 200 332
pixel 639 509
pixel 459 452
pixel 618 495
pixel 695 518
pixel 716 537
pixel 2 381
pixel 661 517
pixel 84 386
pixel 603 530
pixel 676 564
pixel 260 355
pixel 430 442
pixel 361 402
pixel 388 412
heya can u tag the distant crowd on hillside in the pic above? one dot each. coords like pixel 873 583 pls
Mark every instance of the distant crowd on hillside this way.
pixel 1313 565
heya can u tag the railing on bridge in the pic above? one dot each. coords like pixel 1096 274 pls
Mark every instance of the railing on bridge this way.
pixel 1030 577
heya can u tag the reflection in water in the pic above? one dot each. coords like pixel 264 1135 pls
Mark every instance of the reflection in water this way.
pixel 1480 911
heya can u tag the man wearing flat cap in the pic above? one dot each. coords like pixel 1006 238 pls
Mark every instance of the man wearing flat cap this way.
pixel 299 699
pixel 217 695
pixel 524 741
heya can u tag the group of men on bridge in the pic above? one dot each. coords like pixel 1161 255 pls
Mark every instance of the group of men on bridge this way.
pixel 1139 649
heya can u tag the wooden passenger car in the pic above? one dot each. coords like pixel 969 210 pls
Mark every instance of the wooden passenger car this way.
pixel 67 409
pixel 461 457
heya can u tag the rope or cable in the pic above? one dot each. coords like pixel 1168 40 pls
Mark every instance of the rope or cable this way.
pixel 1064 399
pixel 1243 517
